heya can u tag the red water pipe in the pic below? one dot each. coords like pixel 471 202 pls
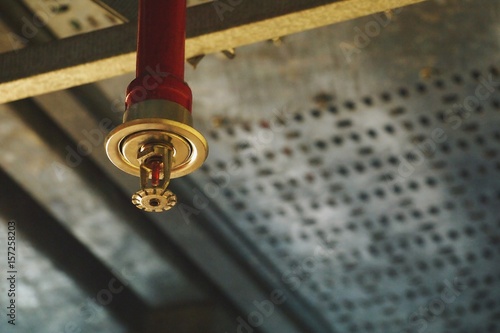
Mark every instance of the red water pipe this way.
pixel 161 41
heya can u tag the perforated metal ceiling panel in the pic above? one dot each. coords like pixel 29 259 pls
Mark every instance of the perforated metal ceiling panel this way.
pixel 380 210
pixel 376 207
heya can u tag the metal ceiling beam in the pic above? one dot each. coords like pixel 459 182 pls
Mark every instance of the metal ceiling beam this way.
pixel 212 27
pixel 125 9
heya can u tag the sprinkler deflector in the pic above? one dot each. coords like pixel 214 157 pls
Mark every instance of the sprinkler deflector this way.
pixel 157 141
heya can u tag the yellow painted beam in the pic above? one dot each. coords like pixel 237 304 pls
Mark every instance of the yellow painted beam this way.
pixel 111 52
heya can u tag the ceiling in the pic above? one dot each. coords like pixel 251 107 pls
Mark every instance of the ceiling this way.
pixel 351 186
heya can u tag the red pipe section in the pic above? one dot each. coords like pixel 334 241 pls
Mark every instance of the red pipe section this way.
pixel 161 36
pixel 161 42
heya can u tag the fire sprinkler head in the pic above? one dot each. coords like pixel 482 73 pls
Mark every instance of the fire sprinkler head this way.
pixel 156 142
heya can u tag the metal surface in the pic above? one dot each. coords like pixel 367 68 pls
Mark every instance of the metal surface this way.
pixel 373 212
pixel 341 175
pixel 37 225
pixel 190 147
pixel 374 201
pixel 55 302
pixel 110 52
pixel 67 18
pixel 161 37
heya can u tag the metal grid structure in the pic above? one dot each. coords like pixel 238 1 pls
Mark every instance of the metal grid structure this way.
pixel 352 184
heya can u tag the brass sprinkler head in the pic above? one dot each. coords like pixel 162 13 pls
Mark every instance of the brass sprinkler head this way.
pixel 156 142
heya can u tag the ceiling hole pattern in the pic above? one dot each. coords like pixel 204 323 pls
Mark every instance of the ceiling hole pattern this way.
pixel 399 190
